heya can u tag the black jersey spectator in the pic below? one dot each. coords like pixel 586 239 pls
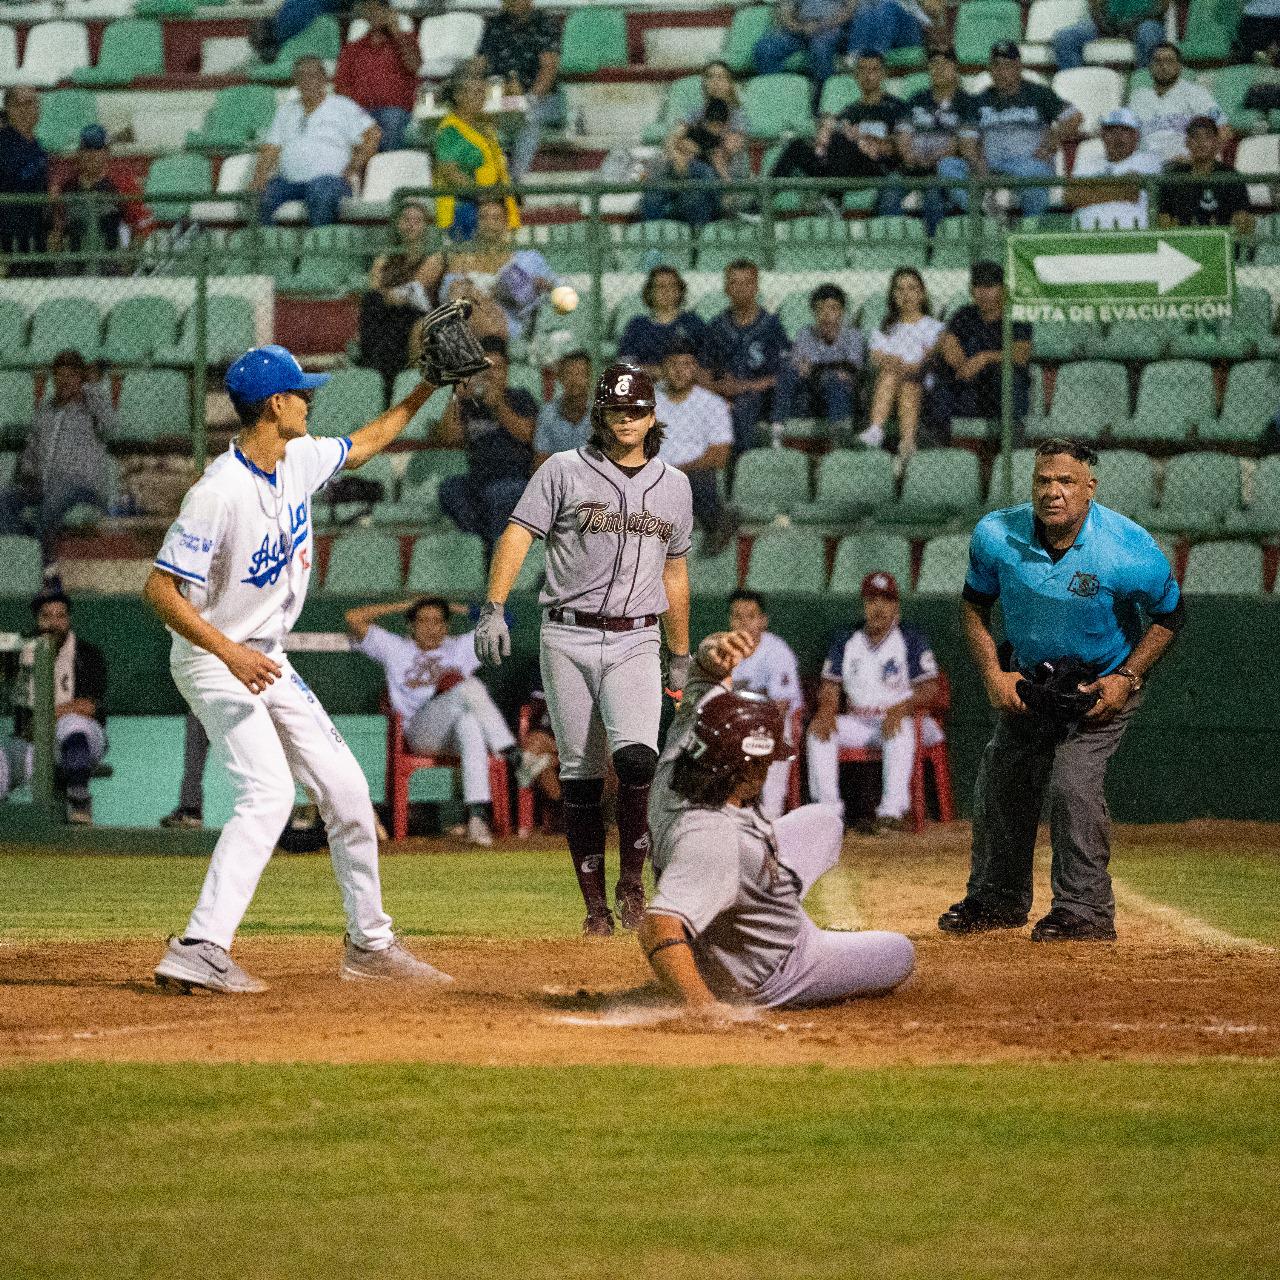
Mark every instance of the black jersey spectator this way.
pixel 1207 203
pixel 24 171
pixel 936 117
pixel 647 338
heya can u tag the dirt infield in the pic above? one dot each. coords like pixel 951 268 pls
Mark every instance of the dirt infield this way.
pixel 1169 990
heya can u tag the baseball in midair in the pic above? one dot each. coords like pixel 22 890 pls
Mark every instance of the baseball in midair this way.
pixel 564 298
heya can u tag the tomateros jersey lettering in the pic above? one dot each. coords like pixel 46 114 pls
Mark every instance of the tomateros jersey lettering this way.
pixel 876 677
pixel 242 544
pixel 595 517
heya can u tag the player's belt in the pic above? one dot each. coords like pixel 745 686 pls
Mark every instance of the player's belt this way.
pixel 572 618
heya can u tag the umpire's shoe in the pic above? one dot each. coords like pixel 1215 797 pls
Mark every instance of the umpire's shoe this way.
pixel 1061 925
pixel 968 916
pixel 197 963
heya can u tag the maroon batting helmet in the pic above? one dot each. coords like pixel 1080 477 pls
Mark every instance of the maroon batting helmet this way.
pixel 623 386
pixel 735 729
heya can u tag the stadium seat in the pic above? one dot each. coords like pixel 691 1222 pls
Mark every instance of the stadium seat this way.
pixel 235 174
pixel 954 244
pixel 1126 480
pixel 8 465
pixel 331 262
pixel 862 553
pixel 1223 568
pixel 1210 31
pixel 17 399
pixel 565 245
pixel 592 39
pixel 254 250
pixel 229 332
pixel 62 324
pixel 1045 18
pixel 54 52
pixel 715 575
pixel 788 560
pixel 131 48
pixel 322 39
pixel 1262 516
pixel 20 570
pixel 770 482
pixel 1248 331
pixel 939 484
pixel 887 243
pixel 683 96
pixel 851 484
pixel 1093 91
pixel 351 398
pixel 641 245
pixel 1199 490
pixel 1024 462
pixel 137 327
pixel 748 25
pixel 944 564
pixel 182 174
pixel 13 328
pixel 1088 396
pixel 778 104
pixel 1127 340
pixel 446 40
pixel 838 92
pixel 1174 398
pixel 982 23
pixel 1230 86
pixel 8 54
pixel 64 115
pixel 1260 154
pixel 422 422
pixel 240 115
pixel 723 242
pixel 794 312
pixel 449 564
pixel 811 244
pixel 1253 391
pixel 154 403
pixel 386 173
pixel 365 563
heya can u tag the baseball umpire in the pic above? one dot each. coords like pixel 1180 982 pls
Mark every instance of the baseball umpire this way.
pixel 726 924
pixel 1089 604
pixel 617 521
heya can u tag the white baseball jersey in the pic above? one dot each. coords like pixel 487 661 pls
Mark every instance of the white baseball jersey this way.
pixel 242 545
pixel 771 670
pixel 413 672
pixel 876 677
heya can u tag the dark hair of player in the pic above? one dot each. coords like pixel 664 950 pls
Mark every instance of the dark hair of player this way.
pixel 427 602
pixel 1076 449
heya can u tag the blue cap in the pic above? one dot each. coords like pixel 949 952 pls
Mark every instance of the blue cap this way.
pixel 93 137
pixel 266 371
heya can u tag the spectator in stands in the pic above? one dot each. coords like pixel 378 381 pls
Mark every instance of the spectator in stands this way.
pixel 816 28
pixel 379 72
pixel 1141 21
pixel 1117 206
pixel 1258 36
pixel 522 45
pixel 432 685
pixel 863 141
pixel 902 356
pixel 970 357
pixel 494 422
pixel 316 146
pixel 936 120
pixel 24 171
pixel 646 338
pixel 86 225
pixel 1205 204
pixel 467 153
pixel 564 422
pixel 819 377
pixel 698 441
pixel 292 18
pixel 1019 127
pixel 64 462
pixel 1167 105
pixel 881 25
pixel 709 151
pixel 743 351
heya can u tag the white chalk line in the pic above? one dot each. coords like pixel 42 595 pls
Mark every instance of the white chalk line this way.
pixel 1203 932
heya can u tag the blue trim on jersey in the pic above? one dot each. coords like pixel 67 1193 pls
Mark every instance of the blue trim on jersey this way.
pixel 185 574
pixel 345 442
pixel 268 476
pixel 917 646
pixel 833 668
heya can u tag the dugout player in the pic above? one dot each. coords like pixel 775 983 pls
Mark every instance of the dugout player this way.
pixel 617 521
pixel 726 923
pixel 1074 580
pixel 229 582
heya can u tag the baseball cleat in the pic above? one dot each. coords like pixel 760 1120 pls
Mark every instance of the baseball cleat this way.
pixel 183 819
pixel 598 925
pixel 395 963
pixel 630 902
pixel 1065 926
pixel 968 916
pixel 206 965
pixel 478 832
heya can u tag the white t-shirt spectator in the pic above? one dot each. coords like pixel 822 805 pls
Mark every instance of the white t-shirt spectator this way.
pixel 909 342
pixel 1164 118
pixel 1116 215
pixel 693 425
pixel 318 145
pixel 413 673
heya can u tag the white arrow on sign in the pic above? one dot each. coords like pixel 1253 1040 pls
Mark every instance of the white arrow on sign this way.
pixel 1167 268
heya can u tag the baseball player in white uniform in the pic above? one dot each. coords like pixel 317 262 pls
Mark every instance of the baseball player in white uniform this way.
pixel 229 582
pixel 727 923
pixel 887 673
pixel 617 521
pixel 772 671
pixel 431 682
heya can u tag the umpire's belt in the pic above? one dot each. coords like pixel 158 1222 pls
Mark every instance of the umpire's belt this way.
pixel 572 618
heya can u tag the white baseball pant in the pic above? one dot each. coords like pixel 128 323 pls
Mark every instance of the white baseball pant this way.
pixel 17 757
pixel 898 756
pixel 773 799
pixel 464 720
pixel 266 741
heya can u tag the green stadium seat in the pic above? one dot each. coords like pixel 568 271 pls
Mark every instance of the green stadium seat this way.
pixel 715 575
pixel 1210 30
pixel 268 251
pixel 778 104
pixel 625 311
pixel 592 39
pixel 423 422
pixel 238 118
pixel 349 400
pixel 8 465
pixel 332 262
pixel 64 115
pixel 21 572
pixel 154 403
pixel 13 328
pixel 1200 489
pixel 137 328
pixel 859 554
pixel 958 242
pixel 229 332
pixel 638 246
pixel 1262 516
pixel 1223 568
pixel 1088 396
pixel 177 175
pixel 1053 341
pixel 567 246
pixel 131 48
pixel 886 243
pixel 449 564
pixel 62 324
pixel 982 23
pixel 810 244
pixel 851 484
pixel 17 399
pixel 1174 398
pixel 1230 86
pixel 322 39
pixel 1124 341
pixel 1126 480
pixel 906 87
pixel 723 242
pixel 168 8
pixel 1253 391
pixel 769 482
pixel 944 565
pixel 1024 464
pixel 683 96
pixel 364 562
pixel 902 57
pixel 433 465
pixel 838 92
pixel 748 25
pixel 788 560
pixel 795 313
pixel 939 484
pixel 1248 332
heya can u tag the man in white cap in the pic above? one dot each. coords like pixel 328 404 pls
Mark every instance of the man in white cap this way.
pixel 1120 205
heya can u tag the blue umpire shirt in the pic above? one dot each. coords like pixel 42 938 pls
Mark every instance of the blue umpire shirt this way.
pixel 1088 604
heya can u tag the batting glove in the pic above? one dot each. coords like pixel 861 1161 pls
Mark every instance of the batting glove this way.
pixel 493 636
pixel 678 665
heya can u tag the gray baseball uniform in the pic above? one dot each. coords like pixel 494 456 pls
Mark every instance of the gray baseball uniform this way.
pixel 737 881
pixel 609 536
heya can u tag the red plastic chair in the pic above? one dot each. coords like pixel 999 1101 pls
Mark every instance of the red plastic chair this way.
pixel 402 764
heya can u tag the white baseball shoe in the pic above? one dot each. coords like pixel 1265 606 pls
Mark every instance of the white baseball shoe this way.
pixel 395 963
pixel 478 832
pixel 204 964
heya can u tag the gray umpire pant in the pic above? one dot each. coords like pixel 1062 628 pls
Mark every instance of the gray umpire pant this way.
pixel 1024 770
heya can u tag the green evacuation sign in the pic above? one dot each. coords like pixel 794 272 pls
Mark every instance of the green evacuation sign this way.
pixel 1087 277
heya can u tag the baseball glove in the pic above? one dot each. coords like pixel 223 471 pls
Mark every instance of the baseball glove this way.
pixel 451 352
pixel 1052 690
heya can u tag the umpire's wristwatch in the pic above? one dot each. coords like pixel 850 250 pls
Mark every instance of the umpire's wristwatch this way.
pixel 1134 679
